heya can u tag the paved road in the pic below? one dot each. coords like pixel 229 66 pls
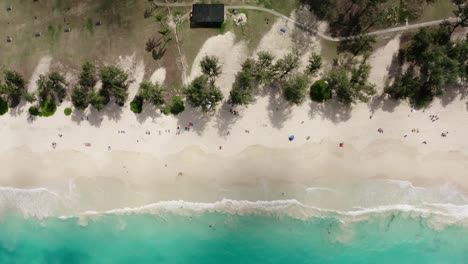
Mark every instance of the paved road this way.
pixel 318 33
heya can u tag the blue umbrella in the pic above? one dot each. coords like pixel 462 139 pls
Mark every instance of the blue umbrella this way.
pixel 291 138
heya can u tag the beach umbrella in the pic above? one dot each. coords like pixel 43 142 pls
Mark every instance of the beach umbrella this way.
pixel 291 138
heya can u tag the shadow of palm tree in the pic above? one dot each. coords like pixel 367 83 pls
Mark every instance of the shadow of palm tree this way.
pixel 331 110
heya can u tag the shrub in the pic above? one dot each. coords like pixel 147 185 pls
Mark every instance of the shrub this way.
pixel 319 91
pixel 177 106
pixel 67 111
pixel 137 104
pixel 34 111
pixel 3 106
pixel 48 108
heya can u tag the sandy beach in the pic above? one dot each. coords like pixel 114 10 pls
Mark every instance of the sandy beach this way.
pixel 116 159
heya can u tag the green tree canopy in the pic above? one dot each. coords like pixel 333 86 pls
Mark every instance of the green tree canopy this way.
pixel 202 93
pixel 320 92
pixel 88 75
pixel 14 89
pixel 177 105
pixel 295 88
pixel 315 63
pixel 114 84
pixel 286 65
pixel 51 87
pixel 350 88
pixel 210 67
pixel 152 92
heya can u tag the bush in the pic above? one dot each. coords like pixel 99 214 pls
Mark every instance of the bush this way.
pixel 319 91
pixel 67 111
pixel 177 106
pixel 48 108
pixel 137 104
pixel 3 106
pixel 34 111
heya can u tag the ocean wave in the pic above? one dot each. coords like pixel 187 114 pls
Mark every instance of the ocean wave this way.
pixel 42 203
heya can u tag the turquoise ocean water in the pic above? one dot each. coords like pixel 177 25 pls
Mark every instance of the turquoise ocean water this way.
pixel 212 237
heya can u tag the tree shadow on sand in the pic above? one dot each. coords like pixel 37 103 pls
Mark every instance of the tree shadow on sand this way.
pixel 331 110
pixel 383 102
pixel 148 111
pixel 94 117
pixel 195 116
pixel 225 119
pixel 279 110
pixel 19 109
pixel 452 92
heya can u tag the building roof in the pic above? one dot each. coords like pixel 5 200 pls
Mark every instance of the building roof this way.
pixel 208 13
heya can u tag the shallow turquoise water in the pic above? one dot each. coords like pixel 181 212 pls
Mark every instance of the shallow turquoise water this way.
pixel 222 238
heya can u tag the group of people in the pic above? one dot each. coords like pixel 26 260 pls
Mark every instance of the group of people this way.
pixel 434 118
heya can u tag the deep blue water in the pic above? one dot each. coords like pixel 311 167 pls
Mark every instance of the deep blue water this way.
pixel 222 238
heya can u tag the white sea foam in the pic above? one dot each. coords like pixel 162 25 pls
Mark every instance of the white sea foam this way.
pixel 45 203
pixel 38 202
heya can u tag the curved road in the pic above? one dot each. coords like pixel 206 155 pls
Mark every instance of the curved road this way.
pixel 318 33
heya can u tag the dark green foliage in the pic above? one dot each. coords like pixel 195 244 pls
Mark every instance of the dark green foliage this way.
pixel 14 89
pixel 98 99
pixel 315 63
pixel 152 93
pixel 319 91
pixel 294 88
pixel 48 108
pixel 67 111
pixel 349 88
pixel 88 75
pixel 136 105
pixel 80 97
pixel 404 86
pixel 3 106
pixel 286 65
pixel 210 67
pixel 34 111
pixel 51 87
pixel 114 85
pixel 360 45
pixel 435 62
pixel 244 86
pixel 177 105
pixel 202 93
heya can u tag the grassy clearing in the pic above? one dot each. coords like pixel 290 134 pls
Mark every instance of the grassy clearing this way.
pixel 329 50
pixel 123 32
pixel 439 9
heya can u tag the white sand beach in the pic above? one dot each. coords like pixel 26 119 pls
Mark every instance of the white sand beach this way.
pixel 245 157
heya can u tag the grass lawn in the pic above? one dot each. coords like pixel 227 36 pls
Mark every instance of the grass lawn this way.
pixel 439 9
pixel 123 31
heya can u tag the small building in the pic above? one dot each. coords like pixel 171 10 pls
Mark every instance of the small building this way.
pixel 207 15
pixel 37 34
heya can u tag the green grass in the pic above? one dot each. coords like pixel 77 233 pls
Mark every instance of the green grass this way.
pixel 3 106
pixel 90 25
pixel 440 9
